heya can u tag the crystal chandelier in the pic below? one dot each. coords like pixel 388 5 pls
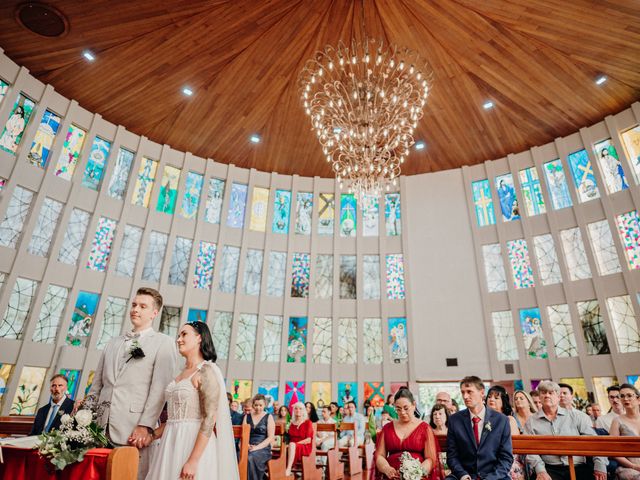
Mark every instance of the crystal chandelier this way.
pixel 364 103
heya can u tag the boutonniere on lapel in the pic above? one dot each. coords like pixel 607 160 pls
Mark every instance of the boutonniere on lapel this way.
pixel 135 351
pixel 487 426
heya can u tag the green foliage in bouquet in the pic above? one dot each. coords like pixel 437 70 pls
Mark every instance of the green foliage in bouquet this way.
pixel 410 468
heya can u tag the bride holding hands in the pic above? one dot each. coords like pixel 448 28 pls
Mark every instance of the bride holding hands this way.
pixel 196 402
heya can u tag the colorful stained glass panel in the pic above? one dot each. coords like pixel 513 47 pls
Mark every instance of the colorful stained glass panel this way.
pixel 197 315
pixel 281 211
pixel 144 182
pixel 168 190
pixel 101 246
pixel 259 207
pixel 347 392
pixel 507 196
pixel 16 124
pixel 374 393
pixel 304 208
pixel 191 197
pixel 483 203
pixel 297 340
pixel 321 394
pixel 68 159
pixel 629 230
pixel 82 318
pixel 395 276
pixel 392 214
pixel 583 178
pixel 535 346
pixel 73 379
pixel 531 192
pixel 120 176
pixel 398 341
pixel 270 392
pixel 43 140
pixel 94 172
pixel 631 142
pixel 370 216
pixel 205 261
pixel 557 183
pixel 520 263
pixel 235 217
pixel 348 212
pixel 213 209
pixel 610 166
pixel 326 213
pixel 293 393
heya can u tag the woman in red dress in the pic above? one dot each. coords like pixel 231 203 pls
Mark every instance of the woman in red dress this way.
pixel 406 434
pixel 300 436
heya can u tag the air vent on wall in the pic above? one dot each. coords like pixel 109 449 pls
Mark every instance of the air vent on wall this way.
pixel 508 368
pixel 42 19
pixel 452 362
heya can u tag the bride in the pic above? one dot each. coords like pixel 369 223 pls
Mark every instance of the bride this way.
pixel 196 402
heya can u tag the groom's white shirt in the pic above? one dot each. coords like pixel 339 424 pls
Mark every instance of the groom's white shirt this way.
pixel 134 387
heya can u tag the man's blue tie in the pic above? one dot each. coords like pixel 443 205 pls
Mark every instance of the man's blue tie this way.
pixel 53 417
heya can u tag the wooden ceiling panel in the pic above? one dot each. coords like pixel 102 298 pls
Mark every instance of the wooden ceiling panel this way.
pixel 536 60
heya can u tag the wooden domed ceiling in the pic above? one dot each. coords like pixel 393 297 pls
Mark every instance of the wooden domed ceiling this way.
pixel 536 60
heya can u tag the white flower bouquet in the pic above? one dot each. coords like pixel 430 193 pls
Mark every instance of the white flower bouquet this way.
pixel 77 434
pixel 410 468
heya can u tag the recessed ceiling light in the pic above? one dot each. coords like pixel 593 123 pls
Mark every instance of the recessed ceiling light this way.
pixel 337 130
pixel 420 145
pixel 487 105
pixel 187 91
pixel 255 138
pixel 88 55
pixel 601 80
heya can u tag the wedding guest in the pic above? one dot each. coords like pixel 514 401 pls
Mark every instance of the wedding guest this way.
pixel 236 417
pixel 283 417
pixel 235 406
pixel 589 411
pixel 341 413
pixel 263 429
pixel 276 406
pixel 188 447
pixel 479 438
pixel 335 411
pixel 524 408
pixel 325 440
pixel 346 437
pixel 596 412
pixel 389 408
pixel 628 425
pixel 613 394
pixel 246 407
pixel 552 419
pixel 300 436
pixel 311 412
pixel 535 396
pixel 454 407
pixel 406 434
pixel 566 396
pixel 439 419
pixel 443 398
pixel 498 400
pixel 48 417
pixel 385 418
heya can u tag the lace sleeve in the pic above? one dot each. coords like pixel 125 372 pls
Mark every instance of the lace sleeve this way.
pixel 209 392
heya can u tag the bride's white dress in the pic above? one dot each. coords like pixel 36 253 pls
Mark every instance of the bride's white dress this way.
pixel 191 411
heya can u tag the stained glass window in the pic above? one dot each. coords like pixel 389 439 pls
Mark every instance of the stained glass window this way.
pixel 19 308
pixel 520 264
pixel 276 276
pixel 120 177
pixel 494 268
pixel 326 213
pixel 82 319
pixel 297 340
pixel 610 166
pixel 625 327
pixel 180 261
pixel 371 277
pixel 213 209
pixel 324 276
pixel 168 197
pixel 370 216
pixel 101 246
pixel 372 341
pixel 94 172
pixel 25 401
pixel 531 193
pixel 16 124
pixel 114 314
pixel 348 270
pixel 221 333
pixel 281 211
pixel 74 237
pixel 191 197
pixel 70 153
pixel 4 88
pixel 252 272
pixel 535 346
pixel 45 228
pixel 395 276
pixel 43 140
pixel 304 208
pixel 564 339
pixel 3 182
pixel 321 393
pixel 229 269
pixel 505 338
pixel 197 315
pixel 631 142
pixel 128 255
pixel 53 304
pixel 270 392
pixel 347 340
pixel 293 393
pixel 392 214
pixel 154 257
pixel 241 389
pixel 547 257
pixel 235 217
pixel 246 339
pixel 300 275
pixel 398 340
pixel 144 182
pixel 170 321
pixel 603 248
pixel 348 219
pixel 203 275
pixel 507 196
pixel 259 207
pixel 73 379
pixel 271 338
pixel 583 178
pixel 574 253
pixel 629 230
pixel 483 203
pixel 593 329
pixel 14 217
pixel 322 340
pixel 347 392
pixel 557 183
pixel 5 369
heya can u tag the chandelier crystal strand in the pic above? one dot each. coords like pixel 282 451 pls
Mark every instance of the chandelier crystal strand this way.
pixel 364 103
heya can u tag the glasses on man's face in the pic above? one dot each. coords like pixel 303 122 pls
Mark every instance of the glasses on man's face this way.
pixel 628 395
pixel 613 397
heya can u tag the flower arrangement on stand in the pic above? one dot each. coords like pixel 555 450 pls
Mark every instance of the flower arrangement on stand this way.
pixel 410 468
pixel 76 436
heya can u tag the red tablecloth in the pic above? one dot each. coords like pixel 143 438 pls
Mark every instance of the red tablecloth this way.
pixel 23 464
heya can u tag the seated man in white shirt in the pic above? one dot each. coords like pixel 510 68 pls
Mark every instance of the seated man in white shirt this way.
pixel 48 417
pixel 346 437
pixel 325 440
pixel 604 422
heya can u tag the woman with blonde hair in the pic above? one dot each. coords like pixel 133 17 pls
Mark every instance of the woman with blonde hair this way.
pixel 300 436
pixel 524 407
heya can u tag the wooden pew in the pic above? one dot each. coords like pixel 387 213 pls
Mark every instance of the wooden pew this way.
pixel 354 470
pixel 242 432
pixel 310 471
pixel 277 466
pixel 335 467
pixel 122 464
pixel 15 425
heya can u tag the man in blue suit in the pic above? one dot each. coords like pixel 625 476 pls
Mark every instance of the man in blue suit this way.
pixel 479 438
pixel 48 417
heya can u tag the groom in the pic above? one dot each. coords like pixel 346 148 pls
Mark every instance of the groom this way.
pixel 479 439
pixel 132 374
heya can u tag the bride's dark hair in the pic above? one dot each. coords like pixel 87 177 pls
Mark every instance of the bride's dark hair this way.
pixel 207 349
pixel 404 392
